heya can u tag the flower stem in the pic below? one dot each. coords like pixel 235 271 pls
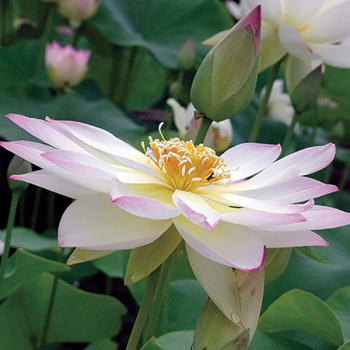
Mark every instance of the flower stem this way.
pixel 49 313
pixel 205 125
pixel 45 39
pixel 290 132
pixel 3 5
pixel 117 55
pixel 344 175
pixel 143 312
pixel 263 106
pixel 158 297
pixel 10 223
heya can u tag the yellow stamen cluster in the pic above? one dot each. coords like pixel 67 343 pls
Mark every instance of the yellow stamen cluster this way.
pixel 185 166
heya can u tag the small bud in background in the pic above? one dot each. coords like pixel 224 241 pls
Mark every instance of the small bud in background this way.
pixel 305 94
pixel 279 106
pixel 66 66
pixel 187 55
pixel 225 81
pixel 219 136
pixel 77 10
pixel 18 166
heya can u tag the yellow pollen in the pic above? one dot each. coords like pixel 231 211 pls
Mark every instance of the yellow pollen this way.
pixel 185 166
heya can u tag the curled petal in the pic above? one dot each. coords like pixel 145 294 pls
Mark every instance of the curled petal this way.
pixel 195 209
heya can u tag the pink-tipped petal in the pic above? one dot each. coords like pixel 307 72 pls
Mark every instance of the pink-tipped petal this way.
pixel 285 239
pixel 248 159
pixel 44 131
pixel 318 218
pixel 195 209
pixel 94 222
pixel 256 218
pixel 292 191
pixel 47 180
pixel 148 202
pixel 234 246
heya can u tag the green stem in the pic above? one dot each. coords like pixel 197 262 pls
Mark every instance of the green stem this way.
pixel 117 55
pixel 158 297
pixel 205 125
pixel 10 223
pixel 289 135
pixel 144 309
pixel 109 285
pixel 49 313
pixel 3 22
pixel 128 76
pixel 45 39
pixel 345 174
pixel 35 212
pixel 263 106
pixel 50 306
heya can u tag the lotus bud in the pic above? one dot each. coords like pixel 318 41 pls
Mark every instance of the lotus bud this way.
pixel 187 55
pixel 77 10
pixel 18 166
pixel 305 94
pixel 215 331
pixel 66 66
pixel 225 81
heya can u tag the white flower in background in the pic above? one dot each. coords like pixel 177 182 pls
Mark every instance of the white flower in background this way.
pixel 219 136
pixel 235 9
pixel 2 246
pixel 311 32
pixel 279 106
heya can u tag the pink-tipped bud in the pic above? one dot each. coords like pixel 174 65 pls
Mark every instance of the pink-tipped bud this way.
pixel 78 10
pixel 66 66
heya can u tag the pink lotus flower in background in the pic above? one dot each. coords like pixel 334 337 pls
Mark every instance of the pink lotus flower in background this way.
pixel 66 66
pixel 226 208
pixel 311 32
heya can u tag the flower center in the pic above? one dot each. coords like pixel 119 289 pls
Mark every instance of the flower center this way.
pixel 185 166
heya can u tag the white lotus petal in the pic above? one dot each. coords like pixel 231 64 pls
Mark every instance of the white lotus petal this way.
pixel 294 44
pixel 299 13
pixel 152 202
pixel 331 26
pixel 334 55
pixel 234 246
pixel 51 182
pixel 195 209
pixel 248 159
pixel 94 222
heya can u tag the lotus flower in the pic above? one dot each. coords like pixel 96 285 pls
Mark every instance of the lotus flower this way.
pixel 66 66
pixel 311 32
pixel 227 209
